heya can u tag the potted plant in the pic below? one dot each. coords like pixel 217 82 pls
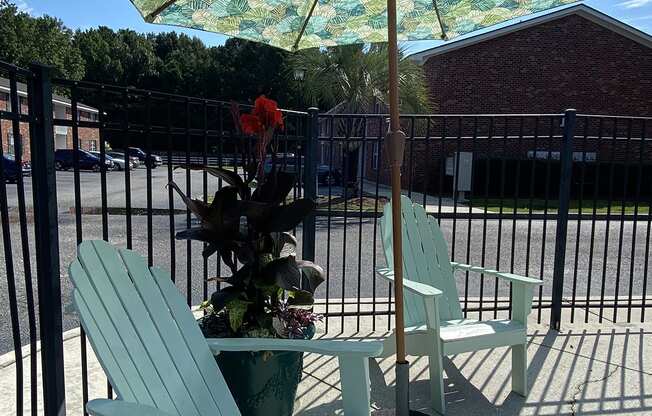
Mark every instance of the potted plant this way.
pixel 269 293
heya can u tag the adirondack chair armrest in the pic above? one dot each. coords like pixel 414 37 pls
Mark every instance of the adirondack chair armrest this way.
pixel 511 277
pixel 107 407
pixel 417 288
pixel 318 346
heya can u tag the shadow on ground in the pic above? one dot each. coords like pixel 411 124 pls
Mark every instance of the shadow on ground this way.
pixel 581 371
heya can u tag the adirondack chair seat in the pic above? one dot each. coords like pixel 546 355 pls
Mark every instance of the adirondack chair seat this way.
pixel 153 353
pixel 434 323
pixel 464 335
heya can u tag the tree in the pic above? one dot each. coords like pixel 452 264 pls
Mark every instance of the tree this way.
pixel 248 69
pixel 123 57
pixel 356 76
pixel 183 63
pixel 355 79
pixel 25 39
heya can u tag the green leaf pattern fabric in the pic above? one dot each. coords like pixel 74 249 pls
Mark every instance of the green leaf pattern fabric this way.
pixel 338 22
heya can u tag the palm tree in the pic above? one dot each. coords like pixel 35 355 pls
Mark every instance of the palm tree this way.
pixel 356 76
pixel 354 80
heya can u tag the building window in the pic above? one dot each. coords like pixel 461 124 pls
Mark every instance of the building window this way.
pixel 4 101
pixel 10 144
pixel 92 145
pixel 374 156
pixel 23 104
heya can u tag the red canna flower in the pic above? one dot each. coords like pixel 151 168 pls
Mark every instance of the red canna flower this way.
pixel 263 120
pixel 251 124
pixel 268 113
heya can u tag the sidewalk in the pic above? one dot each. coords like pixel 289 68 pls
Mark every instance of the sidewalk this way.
pixel 432 202
pixel 583 370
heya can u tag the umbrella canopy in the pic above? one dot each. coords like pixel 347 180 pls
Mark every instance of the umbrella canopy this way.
pixel 301 24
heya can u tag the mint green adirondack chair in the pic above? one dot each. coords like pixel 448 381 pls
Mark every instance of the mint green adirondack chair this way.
pixel 435 326
pixel 153 352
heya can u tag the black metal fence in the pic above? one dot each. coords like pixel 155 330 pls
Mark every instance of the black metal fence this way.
pixel 561 197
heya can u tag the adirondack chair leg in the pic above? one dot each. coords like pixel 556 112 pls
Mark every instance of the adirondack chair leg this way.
pixel 436 379
pixel 354 376
pixel 519 369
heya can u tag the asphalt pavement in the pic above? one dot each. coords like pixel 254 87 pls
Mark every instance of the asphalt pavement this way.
pixel 348 250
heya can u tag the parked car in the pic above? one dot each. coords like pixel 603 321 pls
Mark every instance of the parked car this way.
pixel 64 160
pixel 326 175
pixel 134 161
pixel 12 171
pixel 118 160
pixel 151 161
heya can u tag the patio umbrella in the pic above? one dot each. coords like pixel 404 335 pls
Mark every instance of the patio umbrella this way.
pixel 299 24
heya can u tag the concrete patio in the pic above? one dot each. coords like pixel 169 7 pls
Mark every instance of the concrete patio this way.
pixel 586 369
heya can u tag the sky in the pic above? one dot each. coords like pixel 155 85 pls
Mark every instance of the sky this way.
pixel 119 14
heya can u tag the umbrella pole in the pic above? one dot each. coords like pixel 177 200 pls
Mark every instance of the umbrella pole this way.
pixel 395 144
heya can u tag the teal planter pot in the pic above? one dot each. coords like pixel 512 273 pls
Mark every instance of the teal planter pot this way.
pixel 262 383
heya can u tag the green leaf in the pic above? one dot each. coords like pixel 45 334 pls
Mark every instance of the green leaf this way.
pixel 222 297
pixel 237 309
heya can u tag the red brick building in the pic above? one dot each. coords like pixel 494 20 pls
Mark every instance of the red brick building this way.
pixel 62 109
pixel 575 57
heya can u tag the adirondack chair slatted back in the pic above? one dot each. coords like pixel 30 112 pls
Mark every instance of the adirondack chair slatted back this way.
pixel 425 260
pixel 144 334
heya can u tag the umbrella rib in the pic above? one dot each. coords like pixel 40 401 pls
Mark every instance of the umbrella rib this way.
pixel 303 27
pixel 441 23
pixel 150 17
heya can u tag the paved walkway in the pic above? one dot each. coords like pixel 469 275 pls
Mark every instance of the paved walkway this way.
pixel 583 370
pixel 432 201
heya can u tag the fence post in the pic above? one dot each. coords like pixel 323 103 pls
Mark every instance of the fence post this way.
pixel 561 236
pixel 310 183
pixel 46 239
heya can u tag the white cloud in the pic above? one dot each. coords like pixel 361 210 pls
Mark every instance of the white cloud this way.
pixel 24 7
pixel 634 4
pixel 640 18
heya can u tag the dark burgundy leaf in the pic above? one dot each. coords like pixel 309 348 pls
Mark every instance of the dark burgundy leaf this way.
pixel 287 217
pixel 284 272
pixel 197 207
pixel 312 275
pixel 301 298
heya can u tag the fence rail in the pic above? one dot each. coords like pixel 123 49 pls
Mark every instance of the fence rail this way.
pixel 534 194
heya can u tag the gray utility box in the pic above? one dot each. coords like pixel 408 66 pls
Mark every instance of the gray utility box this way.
pixel 462 174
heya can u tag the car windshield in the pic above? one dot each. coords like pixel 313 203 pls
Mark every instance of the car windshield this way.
pixel 99 155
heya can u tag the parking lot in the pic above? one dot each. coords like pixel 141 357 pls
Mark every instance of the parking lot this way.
pixel 347 250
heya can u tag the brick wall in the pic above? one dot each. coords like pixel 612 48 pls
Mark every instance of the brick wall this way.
pixel 88 137
pixel 568 63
